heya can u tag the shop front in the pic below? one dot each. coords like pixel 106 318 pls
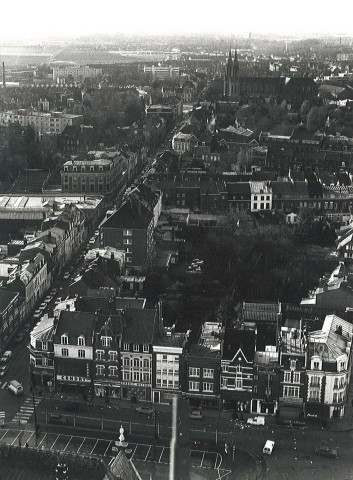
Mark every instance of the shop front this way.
pixel 136 391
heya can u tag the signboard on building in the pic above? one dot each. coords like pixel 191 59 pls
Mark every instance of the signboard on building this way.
pixel 72 378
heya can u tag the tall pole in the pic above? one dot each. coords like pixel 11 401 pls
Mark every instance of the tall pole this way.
pixel 35 415
pixel 173 440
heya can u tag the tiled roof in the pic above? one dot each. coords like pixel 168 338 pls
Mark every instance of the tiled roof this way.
pixel 129 217
pixel 239 339
pixel 6 298
pixel 75 324
pixel 123 469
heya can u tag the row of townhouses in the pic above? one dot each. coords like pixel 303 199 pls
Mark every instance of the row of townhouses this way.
pixel 268 366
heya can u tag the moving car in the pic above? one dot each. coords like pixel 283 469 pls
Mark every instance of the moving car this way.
pixel 146 410
pixel 6 357
pixel 256 420
pixel 15 387
pixel 268 447
pixel 3 370
pixel 196 414
pixel 58 300
pixel 326 452
pixel 56 420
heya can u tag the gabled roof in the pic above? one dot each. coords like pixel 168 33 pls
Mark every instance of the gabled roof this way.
pixel 75 324
pixel 235 340
pixel 238 188
pixel 331 341
pixel 122 469
pixel 128 216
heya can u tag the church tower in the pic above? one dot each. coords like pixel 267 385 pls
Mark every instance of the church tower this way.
pixel 231 79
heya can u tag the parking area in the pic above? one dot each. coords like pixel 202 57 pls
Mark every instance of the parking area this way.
pixel 103 448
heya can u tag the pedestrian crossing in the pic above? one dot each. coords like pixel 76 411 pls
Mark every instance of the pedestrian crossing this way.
pixel 26 410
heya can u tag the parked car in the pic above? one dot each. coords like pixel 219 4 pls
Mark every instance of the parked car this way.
pixel 3 370
pixel 58 300
pixel 43 306
pixel 37 314
pixel 48 299
pixel 146 410
pixel 197 414
pixel 56 420
pixel 66 275
pixel 92 241
pixel 256 420
pixel 19 337
pixel 326 452
pixel 6 357
pixel 53 292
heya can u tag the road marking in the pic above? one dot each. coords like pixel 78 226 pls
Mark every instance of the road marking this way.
pixel 94 446
pixel 3 435
pixel 67 444
pixel 134 451
pixel 40 443
pixel 51 448
pixel 203 456
pixel 79 448
pixel 28 439
pixel 160 458
pixel 4 386
pixel 105 453
pixel 147 453
pixel 14 440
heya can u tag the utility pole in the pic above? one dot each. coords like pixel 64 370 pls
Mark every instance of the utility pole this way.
pixel 35 415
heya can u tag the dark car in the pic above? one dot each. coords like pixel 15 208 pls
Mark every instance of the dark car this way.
pixel 326 452
pixel 56 420
pixel 73 407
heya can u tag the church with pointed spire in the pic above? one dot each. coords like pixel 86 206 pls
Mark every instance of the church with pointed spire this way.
pixel 231 79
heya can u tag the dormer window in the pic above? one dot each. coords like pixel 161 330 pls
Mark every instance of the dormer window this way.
pixel 126 347
pixel 81 341
pixel 316 363
pixel 106 341
pixel 64 339
pixel 136 348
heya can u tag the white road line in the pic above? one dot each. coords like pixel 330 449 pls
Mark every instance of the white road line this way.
pixel 147 453
pixel 67 444
pixel 14 440
pixel 203 456
pixel 94 446
pixel 160 458
pixel 28 439
pixel 105 453
pixel 132 456
pixel 4 386
pixel 3 435
pixel 79 448
pixel 51 448
pixel 40 443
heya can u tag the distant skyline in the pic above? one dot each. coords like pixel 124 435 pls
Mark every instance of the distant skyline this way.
pixel 38 19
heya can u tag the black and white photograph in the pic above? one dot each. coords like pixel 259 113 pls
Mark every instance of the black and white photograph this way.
pixel 176 240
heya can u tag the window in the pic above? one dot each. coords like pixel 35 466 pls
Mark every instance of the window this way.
pixel 145 349
pixel 64 339
pixel 126 362
pixel 225 368
pixel 100 369
pixel 293 364
pixel 81 341
pixel 342 366
pixel 316 365
pixel 126 347
pixel 127 241
pixel 208 372
pixel 44 345
pixel 106 341
pixel 136 376
pixel 127 233
pixel 135 348
pixel 126 375
pixel 194 372
pixel 146 377
pixel 207 387
pixel 113 371
pixel 113 356
pixel 291 391
pixel 287 377
pixel 194 386
pixel 315 381
pixel 146 363
pixel 100 355
pixel 314 394
pixel 44 361
pixel 81 354
pixel 136 363
pixel 296 377
pixel 64 352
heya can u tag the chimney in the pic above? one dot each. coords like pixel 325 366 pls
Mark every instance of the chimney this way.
pixel 3 74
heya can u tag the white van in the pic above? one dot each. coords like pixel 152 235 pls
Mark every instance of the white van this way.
pixel 15 387
pixel 268 447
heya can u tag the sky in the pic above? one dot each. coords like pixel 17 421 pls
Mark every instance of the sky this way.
pixel 23 19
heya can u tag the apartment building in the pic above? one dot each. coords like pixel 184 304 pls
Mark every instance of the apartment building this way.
pixel 77 72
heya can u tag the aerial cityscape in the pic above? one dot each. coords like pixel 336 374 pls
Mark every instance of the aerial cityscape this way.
pixel 176 244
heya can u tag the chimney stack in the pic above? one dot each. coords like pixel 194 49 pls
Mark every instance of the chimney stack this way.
pixel 3 74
